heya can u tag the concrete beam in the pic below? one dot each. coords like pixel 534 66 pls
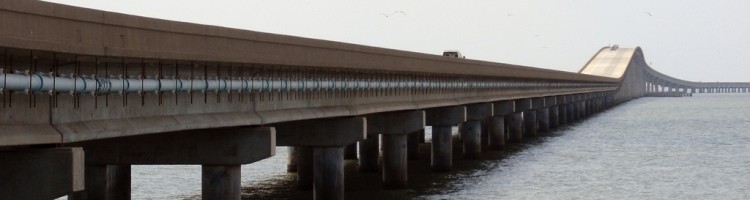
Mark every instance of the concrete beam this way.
pixel 479 111
pixel 445 116
pixel 401 122
pixel 224 146
pixel 503 108
pixel 41 173
pixel 322 132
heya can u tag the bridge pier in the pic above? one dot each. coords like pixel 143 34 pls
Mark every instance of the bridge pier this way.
pixel 44 173
pixel 395 128
pixel 442 121
pixel 471 138
pixel 412 144
pixel 471 131
pixel 554 112
pixel 220 182
pixel 369 152
pixel 304 167
pixel 350 151
pixel 327 138
pixel 515 127
pixel 220 150
pixel 562 106
pixel 291 162
pixel 497 125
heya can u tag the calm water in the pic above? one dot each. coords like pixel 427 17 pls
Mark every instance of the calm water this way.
pixel 649 148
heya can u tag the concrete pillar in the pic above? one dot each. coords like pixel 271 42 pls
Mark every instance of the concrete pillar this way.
pixel 304 167
pixel 291 162
pixel 396 129
pixel 471 138
pixel 442 148
pixel 394 161
pixel 554 117
pixel 562 114
pixel 105 182
pixel 350 151
pixel 220 182
pixel 442 121
pixel 96 183
pixel 515 127
pixel 572 112
pixel 328 172
pixel 412 145
pixel 118 182
pixel 530 124
pixel 543 120
pixel 497 132
pixel 369 154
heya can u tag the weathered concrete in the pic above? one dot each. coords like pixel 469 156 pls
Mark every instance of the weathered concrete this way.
pixel 369 154
pixel 442 120
pixel 394 161
pixel 543 120
pixel 328 173
pixel 412 145
pixel 45 173
pixel 304 167
pixel 471 138
pixel 220 182
pixel 322 132
pixel 118 182
pixel 497 132
pixel 442 149
pixel 350 151
pixel 530 126
pixel 291 162
pixel 202 147
pixel 515 127
pixel 394 128
pixel 475 136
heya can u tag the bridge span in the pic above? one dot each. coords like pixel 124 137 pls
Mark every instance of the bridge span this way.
pixel 88 93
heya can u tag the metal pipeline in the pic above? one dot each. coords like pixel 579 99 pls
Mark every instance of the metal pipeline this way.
pixel 40 82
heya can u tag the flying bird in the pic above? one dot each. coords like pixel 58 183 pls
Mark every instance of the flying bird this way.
pixel 649 14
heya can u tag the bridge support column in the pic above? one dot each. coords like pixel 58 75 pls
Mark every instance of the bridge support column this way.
pixel 220 182
pixel 350 151
pixel 543 120
pixel 46 173
pixel 369 153
pixel 119 181
pixel 497 124
pixel 328 173
pixel 530 123
pixel 327 138
pixel 442 148
pixel 395 128
pixel 291 162
pixel 471 131
pixel 497 132
pixel 412 146
pixel 394 161
pixel 110 159
pixel 304 167
pixel 105 182
pixel 442 120
pixel 471 137
pixel 515 127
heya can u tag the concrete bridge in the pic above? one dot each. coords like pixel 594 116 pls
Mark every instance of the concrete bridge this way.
pixel 87 93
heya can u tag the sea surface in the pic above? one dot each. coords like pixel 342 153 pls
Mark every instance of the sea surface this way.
pixel 649 148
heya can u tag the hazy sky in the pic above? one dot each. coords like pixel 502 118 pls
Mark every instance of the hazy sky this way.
pixel 696 40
